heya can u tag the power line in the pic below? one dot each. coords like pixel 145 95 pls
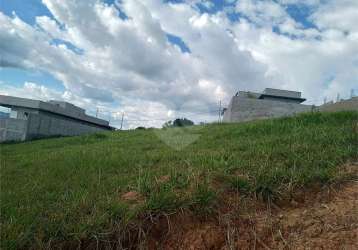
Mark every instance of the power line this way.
pixel 168 118
pixel 207 107
pixel 143 120
pixel 204 110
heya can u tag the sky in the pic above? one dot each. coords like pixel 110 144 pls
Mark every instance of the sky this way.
pixel 155 60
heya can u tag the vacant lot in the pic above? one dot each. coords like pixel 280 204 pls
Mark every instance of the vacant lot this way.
pixel 109 189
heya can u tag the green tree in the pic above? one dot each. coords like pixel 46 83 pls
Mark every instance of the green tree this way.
pixel 179 122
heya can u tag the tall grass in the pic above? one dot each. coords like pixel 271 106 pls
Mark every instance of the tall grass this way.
pixel 71 189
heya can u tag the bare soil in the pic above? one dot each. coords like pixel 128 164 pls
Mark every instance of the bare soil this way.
pixel 318 218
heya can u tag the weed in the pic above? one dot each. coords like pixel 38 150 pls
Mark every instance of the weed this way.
pixel 203 198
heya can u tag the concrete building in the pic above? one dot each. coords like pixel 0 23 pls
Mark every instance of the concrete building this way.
pixel 31 119
pixel 271 103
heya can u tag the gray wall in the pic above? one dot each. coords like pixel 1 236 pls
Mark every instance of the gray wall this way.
pixel 47 124
pixel 12 129
pixel 43 124
pixel 246 109
pixel 64 109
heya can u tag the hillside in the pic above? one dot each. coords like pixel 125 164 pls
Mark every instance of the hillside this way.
pixel 143 187
pixel 342 105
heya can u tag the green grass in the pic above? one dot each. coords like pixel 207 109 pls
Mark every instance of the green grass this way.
pixel 70 189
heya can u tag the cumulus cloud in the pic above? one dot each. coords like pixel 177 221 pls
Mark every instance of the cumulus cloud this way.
pixel 342 17
pixel 262 12
pixel 118 57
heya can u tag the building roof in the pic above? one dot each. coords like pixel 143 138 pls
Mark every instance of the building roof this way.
pixel 55 107
pixel 270 93
pixel 263 96
pixel 282 94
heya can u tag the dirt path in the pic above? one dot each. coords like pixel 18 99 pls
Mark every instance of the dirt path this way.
pixel 323 219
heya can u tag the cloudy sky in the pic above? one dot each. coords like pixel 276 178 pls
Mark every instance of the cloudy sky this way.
pixel 156 60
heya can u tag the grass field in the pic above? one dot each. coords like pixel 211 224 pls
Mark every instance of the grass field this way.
pixel 73 189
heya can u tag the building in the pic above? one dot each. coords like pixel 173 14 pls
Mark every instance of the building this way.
pixel 31 119
pixel 271 103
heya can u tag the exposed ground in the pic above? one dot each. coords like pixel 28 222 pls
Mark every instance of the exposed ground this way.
pixel 279 183
pixel 325 218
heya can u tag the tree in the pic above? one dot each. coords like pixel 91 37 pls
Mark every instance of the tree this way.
pixel 167 124
pixel 179 122
pixel 182 122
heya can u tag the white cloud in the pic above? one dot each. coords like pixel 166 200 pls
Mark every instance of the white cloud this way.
pixel 318 62
pixel 265 13
pixel 300 2
pixel 342 16
pixel 128 64
pixel 50 27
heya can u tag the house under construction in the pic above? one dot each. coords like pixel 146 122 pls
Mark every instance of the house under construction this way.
pixel 271 103
pixel 29 119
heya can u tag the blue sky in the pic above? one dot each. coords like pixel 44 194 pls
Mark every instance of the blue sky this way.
pixel 167 56
pixel 26 10
pixel 17 77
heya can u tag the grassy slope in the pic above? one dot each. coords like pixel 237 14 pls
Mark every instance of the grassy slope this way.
pixel 71 188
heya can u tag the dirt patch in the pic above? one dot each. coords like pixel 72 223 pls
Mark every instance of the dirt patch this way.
pixel 328 223
pixel 187 232
pixel 163 179
pixel 131 196
pixel 326 218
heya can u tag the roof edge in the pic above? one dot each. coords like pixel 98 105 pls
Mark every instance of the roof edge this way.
pixel 12 101
pixel 283 97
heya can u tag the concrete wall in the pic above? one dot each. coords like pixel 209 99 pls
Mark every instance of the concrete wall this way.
pixel 60 108
pixel 47 124
pixel 23 113
pixel 41 125
pixel 246 109
pixel 12 129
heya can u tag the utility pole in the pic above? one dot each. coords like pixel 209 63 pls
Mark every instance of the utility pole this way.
pixel 338 97
pixel 219 111
pixel 122 121
pixel 352 93
pixel 97 112
pixel 325 100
